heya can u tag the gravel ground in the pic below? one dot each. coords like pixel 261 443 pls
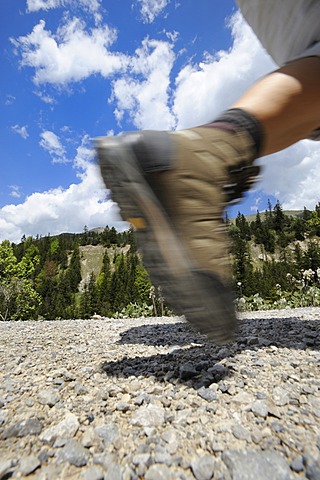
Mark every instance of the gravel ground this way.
pixel 151 399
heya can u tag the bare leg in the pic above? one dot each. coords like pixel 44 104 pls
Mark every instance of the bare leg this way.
pixel 286 102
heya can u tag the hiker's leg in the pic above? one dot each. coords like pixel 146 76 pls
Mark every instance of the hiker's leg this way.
pixel 286 102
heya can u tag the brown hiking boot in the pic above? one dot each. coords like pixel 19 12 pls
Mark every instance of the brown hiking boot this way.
pixel 173 187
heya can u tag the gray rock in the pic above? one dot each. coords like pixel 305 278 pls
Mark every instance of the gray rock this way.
pixel 159 472
pixel 312 467
pixel 104 459
pixel 243 398
pixel 6 466
pixel 218 372
pixel 281 396
pixel 2 418
pixel 203 467
pixel 67 428
pixel 28 464
pixel 114 472
pixel 297 464
pixel 74 453
pixel 31 426
pixel 89 437
pixel 260 408
pixel 123 406
pixel 93 473
pixel 187 371
pixel 108 432
pixel 142 458
pixel 163 457
pixel 207 394
pixel 48 397
pixel 253 465
pixel 80 389
pixel 171 438
pixel 149 416
pixel 241 433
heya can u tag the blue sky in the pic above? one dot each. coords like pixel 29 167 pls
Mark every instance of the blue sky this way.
pixel 73 70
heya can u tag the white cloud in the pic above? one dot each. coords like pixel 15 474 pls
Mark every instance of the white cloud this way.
pixel 71 55
pixel 45 98
pixel 150 9
pixel 206 89
pixel 15 191
pixel 22 131
pixel 147 100
pixel 9 100
pixel 52 144
pixel 293 175
pixel 36 5
pixel 64 210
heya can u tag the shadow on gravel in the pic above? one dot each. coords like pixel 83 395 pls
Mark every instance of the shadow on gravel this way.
pixel 179 333
pixel 288 332
pixel 194 360
pixel 195 366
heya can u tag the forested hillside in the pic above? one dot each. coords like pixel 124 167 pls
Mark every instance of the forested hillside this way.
pixel 275 258
pixel 48 277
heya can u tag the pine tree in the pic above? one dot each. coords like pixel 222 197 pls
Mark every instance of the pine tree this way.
pixel 119 283
pixel 18 298
pixel 258 228
pixel 113 236
pixel 104 282
pixel 89 298
pixel 279 218
pixel 131 264
pixel 142 285
pixel 243 226
pixel 93 294
pixel 242 266
pixel 74 269
pixel 84 307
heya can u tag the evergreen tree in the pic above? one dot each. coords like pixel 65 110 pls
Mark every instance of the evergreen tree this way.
pixel 269 216
pixel 74 269
pixel 18 298
pixel 257 228
pixel 279 218
pixel 242 267
pixel 142 285
pixel 119 283
pixel 131 264
pixel 89 301
pixel 46 286
pixel 243 226
pixel 311 257
pixel 84 307
pixel 104 282
pixel 131 240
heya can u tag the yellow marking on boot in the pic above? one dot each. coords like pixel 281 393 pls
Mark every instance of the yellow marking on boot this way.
pixel 137 222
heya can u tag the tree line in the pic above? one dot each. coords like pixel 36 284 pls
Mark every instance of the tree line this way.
pixel 41 277
pixel 275 249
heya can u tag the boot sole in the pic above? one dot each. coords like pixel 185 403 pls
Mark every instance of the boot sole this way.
pixel 190 291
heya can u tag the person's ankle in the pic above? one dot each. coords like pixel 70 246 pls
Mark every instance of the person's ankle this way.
pixel 237 119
